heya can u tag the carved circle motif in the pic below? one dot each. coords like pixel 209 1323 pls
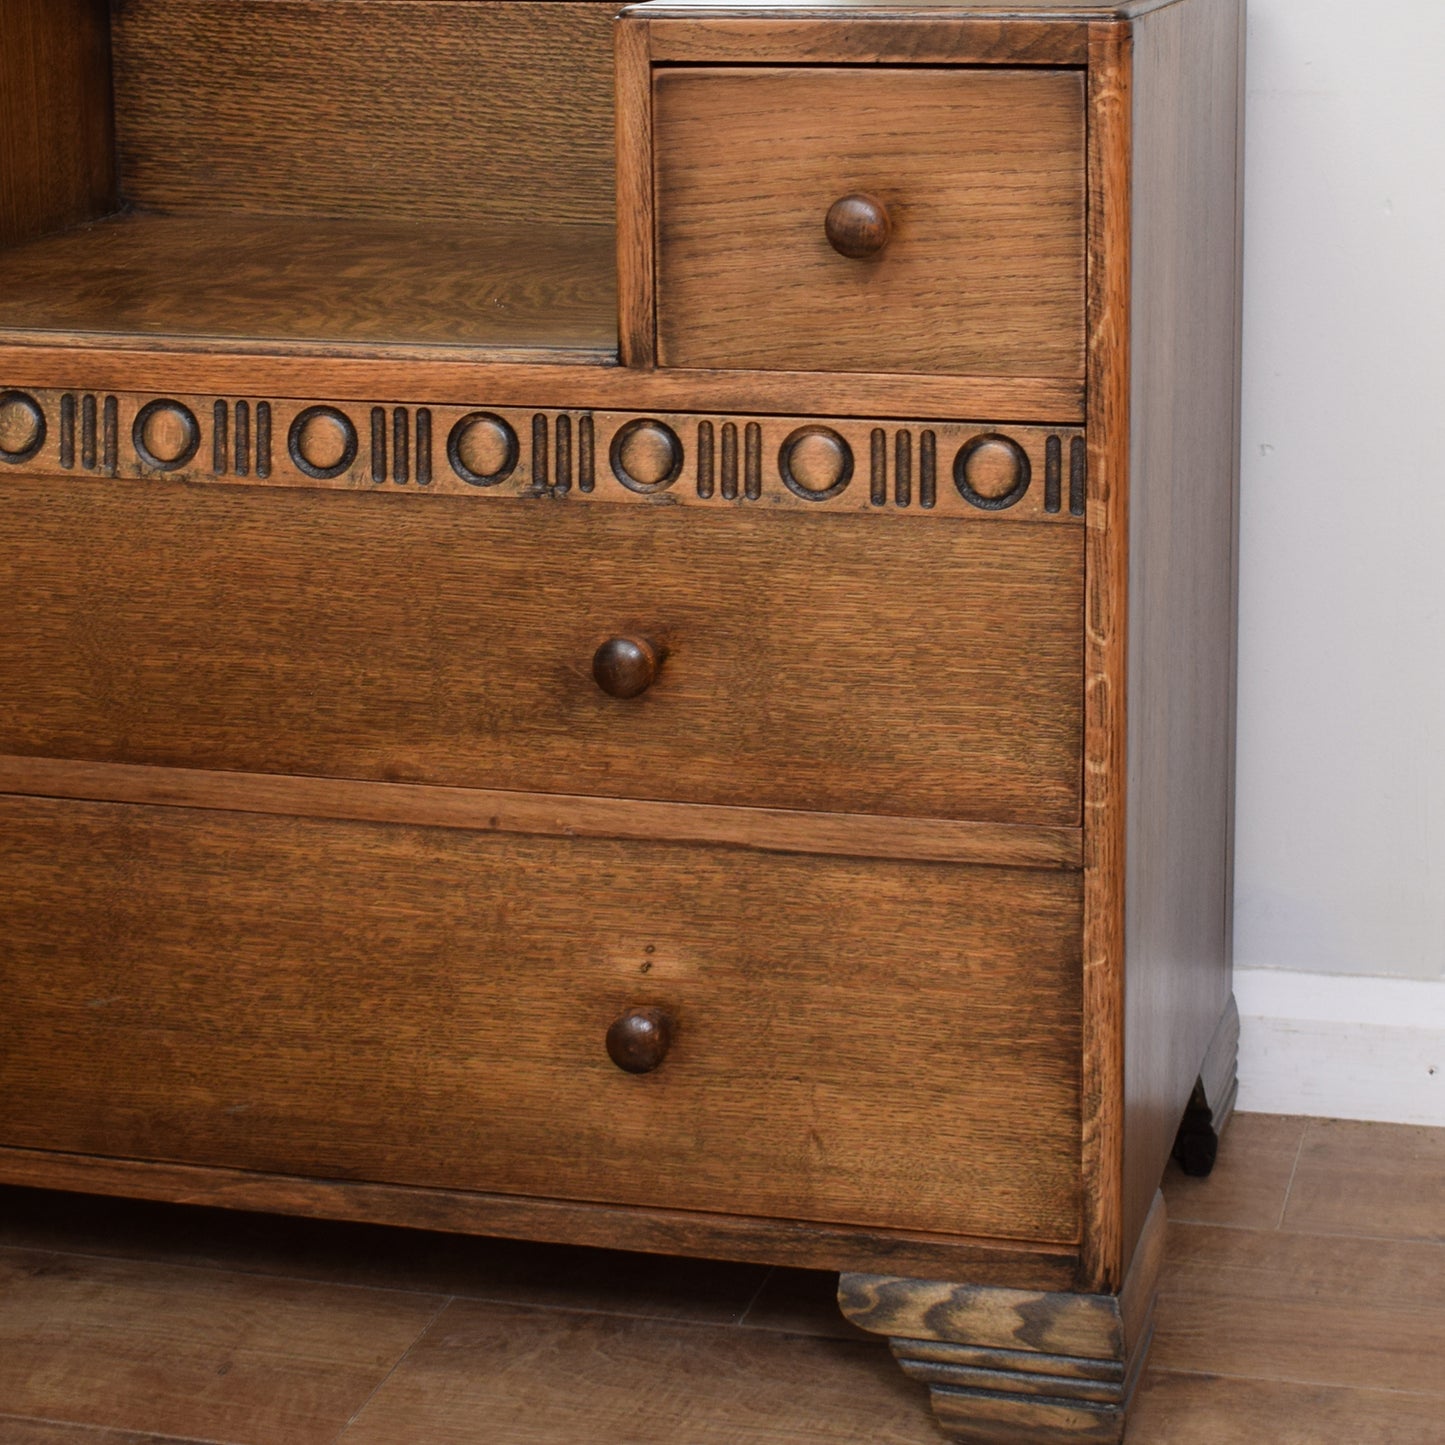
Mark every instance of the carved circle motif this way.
pixel 166 435
pixel 815 463
pixel 991 472
pixel 483 449
pixel 22 427
pixel 322 442
pixel 646 456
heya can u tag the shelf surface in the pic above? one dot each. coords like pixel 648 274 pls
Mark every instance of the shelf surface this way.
pixel 496 287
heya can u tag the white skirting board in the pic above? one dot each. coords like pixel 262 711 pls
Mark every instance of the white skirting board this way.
pixel 1341 1046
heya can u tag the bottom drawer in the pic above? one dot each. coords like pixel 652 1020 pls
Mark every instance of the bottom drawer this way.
pixel 887 1044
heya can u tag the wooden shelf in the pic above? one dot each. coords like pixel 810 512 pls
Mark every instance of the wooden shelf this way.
pixel 546 290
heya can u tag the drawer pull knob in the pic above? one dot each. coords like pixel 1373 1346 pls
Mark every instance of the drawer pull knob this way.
pixel 625 666
pixel 638 1041
pixel 858 226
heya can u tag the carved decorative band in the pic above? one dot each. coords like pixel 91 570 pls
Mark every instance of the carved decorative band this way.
pixel 806 463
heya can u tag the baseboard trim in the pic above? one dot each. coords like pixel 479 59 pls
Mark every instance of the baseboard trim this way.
pixel 1341 1046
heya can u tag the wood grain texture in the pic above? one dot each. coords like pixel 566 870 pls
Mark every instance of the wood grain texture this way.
pixel 486 109
pixel 859 835
pixel 794 647
pixel 643 1229
pixel 1251 1179
pixel 1106 607
pixel 1373 1180
pixel 749 160
pixel 894 11
pixel 927 39
pixel 985 471
pixel 489 1374
pixel 636 260
pixel 1183 479
pixel 57 146
pixel 203 1353
pixel 1005 1367
pixel 497 285
pixel 424 1007
pixel 176 365
pixel 1310 1309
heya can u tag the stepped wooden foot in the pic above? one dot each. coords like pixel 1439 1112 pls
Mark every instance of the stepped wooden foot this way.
pixel 1014 1367
pixel 1212 1101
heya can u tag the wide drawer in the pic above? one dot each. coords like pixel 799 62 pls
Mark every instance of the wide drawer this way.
pixel 885 1044
pixel 973 178
pixel 921 667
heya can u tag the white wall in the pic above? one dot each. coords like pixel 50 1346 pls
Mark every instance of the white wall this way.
pixel 1341 810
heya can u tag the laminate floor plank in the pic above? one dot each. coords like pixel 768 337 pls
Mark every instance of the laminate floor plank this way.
pixel 1251 1179
pixel 15 1431
pixel 1307 1309
pixel 1209 1410
pixel 1377 1180
pixel 505 1270
pixel 196 1353
pixel 486 1374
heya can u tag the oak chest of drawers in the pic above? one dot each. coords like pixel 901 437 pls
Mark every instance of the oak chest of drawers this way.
pixel 620 630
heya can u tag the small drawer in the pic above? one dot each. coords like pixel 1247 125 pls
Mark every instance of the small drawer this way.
pixel 879 220
pixel 883 1044
pixel 923 667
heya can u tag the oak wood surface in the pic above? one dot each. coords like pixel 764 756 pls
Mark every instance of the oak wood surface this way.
pixel 800 36
pixel 490 283
pixel 646 1229
pixel 818 663
pixel 860 835
pixel 636 255
pixel 484 110
pixel 57 163
pixel 422 1006
pixel 985 271
pixel 1183 479
pixel 985 471
pixel 1105 653
pixel 429 375
pixel 1005 1366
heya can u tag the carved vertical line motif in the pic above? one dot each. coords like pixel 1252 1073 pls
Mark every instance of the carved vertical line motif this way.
pixel 378 444
pixel 110 435
pixel 730 461
pixel 220 438
pixel 539 453
pixel 1053 474
pixel 263 439
pixel 563 481
pixel 243 438
pixel 401 445
pixel 927 469
pixel 878 467
pixel 586 453
pixel 423 446
pixel 704 459
pixel 903 470
pixel 753 461
pixel 1078 474
pixel 67 431
pixel 87 432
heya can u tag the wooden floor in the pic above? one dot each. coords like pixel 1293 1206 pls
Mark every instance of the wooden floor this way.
pixel 1303 1304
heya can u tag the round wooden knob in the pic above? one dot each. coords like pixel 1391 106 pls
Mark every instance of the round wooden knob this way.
pixel 858 226
pixel 625 666
pixel 639 1039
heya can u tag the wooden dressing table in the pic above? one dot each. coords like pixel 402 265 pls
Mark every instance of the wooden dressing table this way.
pixel 620 630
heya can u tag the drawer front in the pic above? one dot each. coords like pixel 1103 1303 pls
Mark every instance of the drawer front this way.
pixel 884 1044
pixel 978 172
pixel 926 668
